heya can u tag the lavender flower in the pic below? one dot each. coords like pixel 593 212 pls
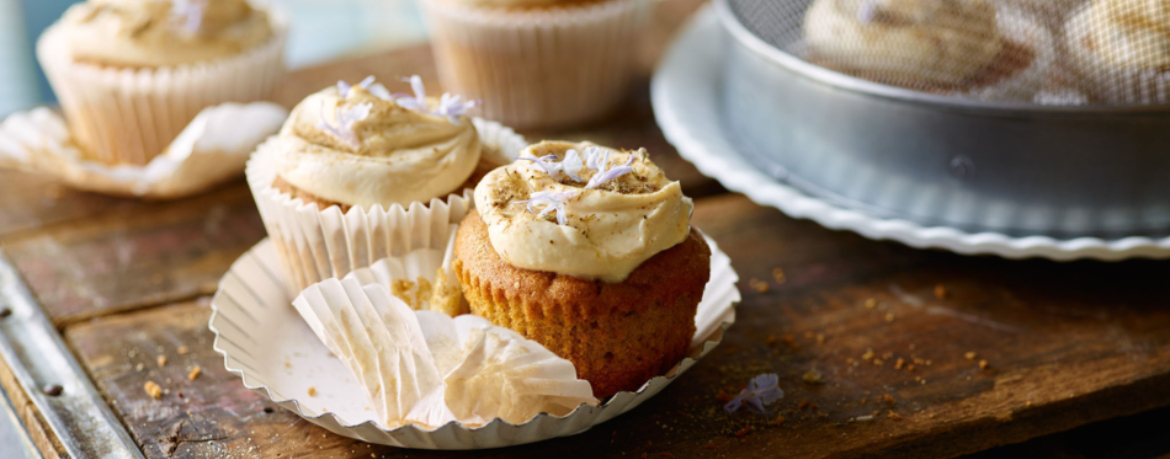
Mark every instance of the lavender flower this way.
pixel 604 175
pixel 553 201
pixel 190 12
pixel 544 163
pixel 452 106
pixel 572 165
pixel 418 102
pixel 867 11
pixel 368 84
pixel 761 390
pixel 346 118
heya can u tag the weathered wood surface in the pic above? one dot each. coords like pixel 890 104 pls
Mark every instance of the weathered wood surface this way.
pixel 1066 344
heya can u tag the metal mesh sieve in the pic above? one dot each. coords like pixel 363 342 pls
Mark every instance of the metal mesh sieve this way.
pixel 1047 52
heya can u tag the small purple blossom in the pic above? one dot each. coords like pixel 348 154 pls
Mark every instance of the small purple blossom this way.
pixel 368 84
pixel 553 201
pixel 761 390
pixel 190 12
pixel 346 118
pixel 417 102
pixel 603 176
pixel 452 106
pixel 867 11
pixel 544 163
pixel 572 165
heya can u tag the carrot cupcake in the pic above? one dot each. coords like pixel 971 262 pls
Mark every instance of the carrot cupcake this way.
pixel 131 74
pixel 1121 49
pixel 969 47
pixel 538 63
pixel 588 251
pixel 358 174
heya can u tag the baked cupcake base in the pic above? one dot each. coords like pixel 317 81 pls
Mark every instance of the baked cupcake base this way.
pixel 618 335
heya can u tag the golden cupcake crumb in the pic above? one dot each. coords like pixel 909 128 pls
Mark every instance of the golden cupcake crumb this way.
pixel 194 373
pixel 162 360
pixel 153 390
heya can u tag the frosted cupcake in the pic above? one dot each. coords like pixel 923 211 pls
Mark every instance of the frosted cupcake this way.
pixel 589 252
pixel 358 174
pixel 1121 49
pixel 131 74
pixel 538 63
pixel 963 47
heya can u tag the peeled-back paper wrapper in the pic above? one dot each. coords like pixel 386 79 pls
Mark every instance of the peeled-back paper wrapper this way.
pixel 317 244
pixel 539 67
pixel 274 351
pixel 128 116
pixel 214 147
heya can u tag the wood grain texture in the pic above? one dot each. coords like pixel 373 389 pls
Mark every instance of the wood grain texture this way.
pixel 31 202
pixel 1066 344
pixel 137 255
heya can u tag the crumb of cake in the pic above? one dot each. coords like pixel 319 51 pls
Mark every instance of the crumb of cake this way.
pixel 820 338
pixel 910 367
pixel 812 376
pixel 778 421
pixel 917 378
pixel 153 390
pixel 940 292
pixel 287 365
pixel 895 416
pixel 850 361
pixel 899 364
pixel 808 335
pixel 761 287
pixel 1028 404
pixel 312 391
pixel 743 432
pixel 970 355
pixel 194 373
pixel 888 355
pixel 803 404
pixel 778 274
pixel 813 406
pixel 888 399
pixel 878 362
pixel 866 418
pixel 889 317
pixel 870 303
pixel 162 360
pixel 918 361
pixel 182 350
pixel 867 355
pixel 983 364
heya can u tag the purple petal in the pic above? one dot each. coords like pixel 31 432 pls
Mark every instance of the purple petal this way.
pixel 343 88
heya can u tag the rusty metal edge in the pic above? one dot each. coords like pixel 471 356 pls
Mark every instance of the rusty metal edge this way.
pixel 38 357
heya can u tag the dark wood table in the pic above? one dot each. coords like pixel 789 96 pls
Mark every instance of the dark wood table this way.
pixel 948 355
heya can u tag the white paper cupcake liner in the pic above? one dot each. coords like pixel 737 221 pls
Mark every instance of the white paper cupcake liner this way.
pixel 1103 79
pixel 267 343
pixel 128 116
pixel 316 244
pixel 210 150
pixel 538 68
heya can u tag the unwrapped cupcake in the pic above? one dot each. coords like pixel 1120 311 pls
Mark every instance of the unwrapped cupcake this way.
pixel 959 47
pixel 538 63
pixel 1121 49
pixel 358 174
pixel 132 74
pixel 589 252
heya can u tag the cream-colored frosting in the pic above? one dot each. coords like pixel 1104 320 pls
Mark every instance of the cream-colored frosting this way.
pixel 1131 33
pixel 609 231
pixel 160 33
pixel 401 156
pixel 512 3
pixel 939 42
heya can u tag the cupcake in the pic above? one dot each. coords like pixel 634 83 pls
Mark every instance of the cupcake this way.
pixel 589 252
pixel 1121 50
pixel 538 63
pixel 357 174
pixel 957 47
pixel 131 74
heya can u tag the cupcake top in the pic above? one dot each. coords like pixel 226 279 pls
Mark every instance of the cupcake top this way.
pixel 362 146
pixel 936 42
pixel 582 210
pixel 1131 34
pixel 162 33
pixel 515 3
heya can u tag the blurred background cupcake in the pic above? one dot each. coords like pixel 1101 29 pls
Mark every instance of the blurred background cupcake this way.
pixel 537 63
pixel 131 74
pixel 1121 50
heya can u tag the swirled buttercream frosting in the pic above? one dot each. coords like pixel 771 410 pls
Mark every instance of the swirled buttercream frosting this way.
pixel 162 33
pixel 582 210
pixel 362 146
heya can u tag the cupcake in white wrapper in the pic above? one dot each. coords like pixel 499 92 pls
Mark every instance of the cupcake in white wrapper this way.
pixel 358 174
pixel 1118 55
pixel 538 63
pixel 131 75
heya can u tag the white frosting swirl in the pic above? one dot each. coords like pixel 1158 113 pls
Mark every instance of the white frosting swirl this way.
pixel 396 155
pixel 941 42
pixel 609 231
pixel 1130 33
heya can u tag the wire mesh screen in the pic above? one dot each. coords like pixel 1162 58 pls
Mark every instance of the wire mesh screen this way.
pixel 1050 52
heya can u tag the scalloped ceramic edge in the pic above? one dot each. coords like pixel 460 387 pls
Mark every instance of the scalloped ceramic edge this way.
pixel 690 124
pixel 498 433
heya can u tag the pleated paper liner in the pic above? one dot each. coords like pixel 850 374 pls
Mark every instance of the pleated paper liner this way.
pixel 211 149
pixel 316 244
pixel 538 67
pixel 266 342
pixel 128 116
